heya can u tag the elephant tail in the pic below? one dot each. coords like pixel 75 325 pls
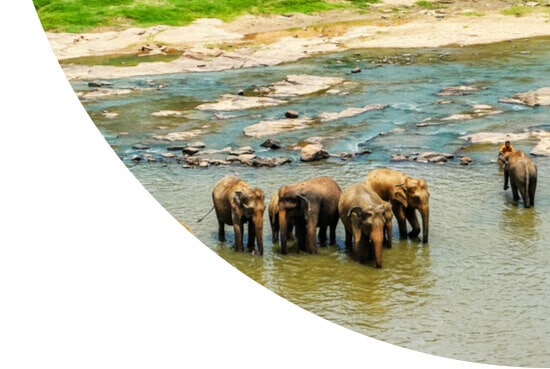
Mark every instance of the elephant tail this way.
pixel 209 211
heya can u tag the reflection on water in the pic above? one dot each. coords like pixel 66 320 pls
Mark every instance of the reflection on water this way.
pixel 478 291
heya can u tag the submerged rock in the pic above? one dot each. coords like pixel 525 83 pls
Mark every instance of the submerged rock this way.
pixel 457 90
pixel 273 127
pixel 230 102
pixel 271 144
pixel 540 97
pixel 542 148
pixel 301 84
pixel 349 112
pixel 179 136
pixel 313 152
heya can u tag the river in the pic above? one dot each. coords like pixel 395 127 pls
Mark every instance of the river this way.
pixel 478 291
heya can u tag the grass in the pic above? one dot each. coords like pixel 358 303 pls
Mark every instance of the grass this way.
pixel 86 15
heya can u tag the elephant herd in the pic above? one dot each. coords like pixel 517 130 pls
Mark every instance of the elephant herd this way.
pixel 303 212
pixel 366 209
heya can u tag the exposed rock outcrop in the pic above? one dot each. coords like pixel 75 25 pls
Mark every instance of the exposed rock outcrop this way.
pixel 540 97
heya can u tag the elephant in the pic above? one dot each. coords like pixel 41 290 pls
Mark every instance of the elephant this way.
pixel 367 221
pixel 307 205
pixel 406 195
pixel 273 211
pixel 236 203
pixel 521 172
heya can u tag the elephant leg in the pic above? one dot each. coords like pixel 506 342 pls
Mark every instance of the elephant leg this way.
pixel 323 235
pixel 311 227
pixel 275 229
pixel 300 237
pixel 399 213
pixel 221 231
pixel 332 230
pixel 251 235
pixel 348 240
pixel 532 189
pixel 413 221
pixel 515 194
pixel 238 227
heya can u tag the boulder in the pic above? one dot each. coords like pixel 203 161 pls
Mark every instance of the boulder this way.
pixel 540 97
pixel 457 90
pixel 167 113
pixel 230 102
pixel 313 152
pixel 292 114
pixel 271 144
pixel 273 127
pixel 349 112
pixel 542 148
pixel 297 85
pixel 179 136
pixel 433 157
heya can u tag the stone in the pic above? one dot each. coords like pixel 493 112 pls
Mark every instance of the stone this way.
pixel 189 150
pixel 301 84
pixel 230 102
pixel 542 148
pixel 349 112
pixel 292 114
pixel 356 70
pixel 141 146
pixel 540 97
pixel 313 152
pixel 273 127
pixel 457 90
pixel 271 144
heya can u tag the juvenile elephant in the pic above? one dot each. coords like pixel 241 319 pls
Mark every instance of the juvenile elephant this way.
pixel 521 171
pixel 273 211
pixel 236 203
pixel 406 195
pixel 307 205
pixel 367 221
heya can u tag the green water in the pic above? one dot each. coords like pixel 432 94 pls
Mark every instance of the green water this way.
pixel 478 291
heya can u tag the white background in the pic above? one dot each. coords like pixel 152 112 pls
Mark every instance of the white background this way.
pixel 94 273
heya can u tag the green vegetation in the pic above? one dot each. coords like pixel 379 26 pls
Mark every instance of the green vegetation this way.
pixel 517 10
pixel 86 15
pixel 429 5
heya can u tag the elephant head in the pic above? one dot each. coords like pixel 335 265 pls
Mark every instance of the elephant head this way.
pixel 294 208
pixel 248 205
pixel 368 226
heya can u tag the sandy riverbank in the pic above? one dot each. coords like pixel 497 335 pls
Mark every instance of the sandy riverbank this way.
pixel 210 44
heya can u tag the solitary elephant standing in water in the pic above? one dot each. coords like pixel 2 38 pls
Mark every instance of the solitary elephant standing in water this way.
pixel 407 195
pixel 521 171
pixel 236 203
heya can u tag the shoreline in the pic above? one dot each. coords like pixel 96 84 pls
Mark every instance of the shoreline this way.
pixel 253 41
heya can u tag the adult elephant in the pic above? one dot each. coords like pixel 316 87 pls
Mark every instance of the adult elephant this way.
pixel 367 221
pixel 521 172
pixel 236 204
pixel 307 205
pixel 406 195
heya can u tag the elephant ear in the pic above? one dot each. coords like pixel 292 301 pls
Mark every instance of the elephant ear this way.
pixel 238 199
pixel 306 201
pixel 400 195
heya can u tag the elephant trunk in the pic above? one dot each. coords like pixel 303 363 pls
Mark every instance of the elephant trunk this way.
pixel 377 238
pixel 259 228
pixel 425 213
pixel 283 230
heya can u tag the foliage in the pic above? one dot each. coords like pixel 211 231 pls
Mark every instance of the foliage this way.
pixel 85 15
pixel 517 10
pixel 425 4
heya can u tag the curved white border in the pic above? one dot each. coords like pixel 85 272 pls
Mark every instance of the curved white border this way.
pixel 95 273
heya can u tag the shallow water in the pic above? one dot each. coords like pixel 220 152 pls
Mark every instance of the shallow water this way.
pixel 478 291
